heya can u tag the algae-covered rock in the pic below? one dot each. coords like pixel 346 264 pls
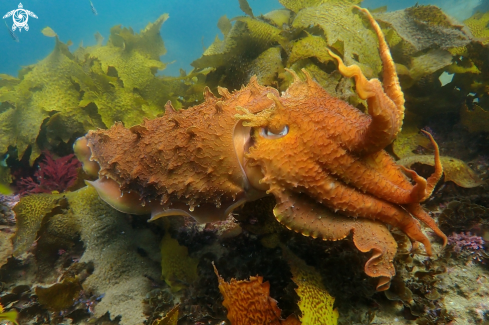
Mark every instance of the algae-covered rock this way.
pixel 30 212
pixel 6 247
pixel 408 140
pixel 59 296
pixel 178 269
pixel 121 274
pixel 476 120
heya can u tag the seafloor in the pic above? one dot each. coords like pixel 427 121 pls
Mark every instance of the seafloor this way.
pixel 67 257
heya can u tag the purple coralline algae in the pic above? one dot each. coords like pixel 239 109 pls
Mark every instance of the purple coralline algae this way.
pixel 465 241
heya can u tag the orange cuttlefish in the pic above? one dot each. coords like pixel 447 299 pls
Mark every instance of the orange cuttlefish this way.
pixel 321 158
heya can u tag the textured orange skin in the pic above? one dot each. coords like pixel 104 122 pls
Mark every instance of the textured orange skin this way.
pixel 331 159
pixel 184 159
pixel 249 302
pixel 316 151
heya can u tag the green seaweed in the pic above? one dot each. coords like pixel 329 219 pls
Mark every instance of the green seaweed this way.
pixel 66 94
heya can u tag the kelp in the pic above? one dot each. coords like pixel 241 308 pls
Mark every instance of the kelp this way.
pixel 111 245
pixel 297 5
pixel 478 26
pixel 345 31
pixel 421 28
pixel 171 318
pixel 310 46
pixel 408 140
pixel 279 18
pixel 10 316
pixel 135 57
pixel 232 57
pixel 68 93
pixel 265 45
pixel 177 268
pixel 59 296
pixel 476 119
pixel 315 303
pixel 243 5
pixel 426 64
pixel 423 41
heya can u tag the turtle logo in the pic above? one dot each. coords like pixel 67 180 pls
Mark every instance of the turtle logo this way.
pixel 20 17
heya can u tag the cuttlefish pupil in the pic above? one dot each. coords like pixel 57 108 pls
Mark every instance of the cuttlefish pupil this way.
pixel 265 132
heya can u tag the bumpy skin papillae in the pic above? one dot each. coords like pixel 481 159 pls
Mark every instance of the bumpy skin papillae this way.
pixel 309 148
pixel 184 162
pixel 331 151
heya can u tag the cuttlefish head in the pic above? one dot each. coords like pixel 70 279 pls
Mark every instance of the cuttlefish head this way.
pixel 281 140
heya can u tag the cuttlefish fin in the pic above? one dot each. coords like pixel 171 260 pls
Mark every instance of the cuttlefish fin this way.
pixel 109 191
pixel 84 154
pixel 204 213
pixel 300 213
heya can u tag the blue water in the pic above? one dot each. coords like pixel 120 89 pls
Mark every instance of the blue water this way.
pixel 191 26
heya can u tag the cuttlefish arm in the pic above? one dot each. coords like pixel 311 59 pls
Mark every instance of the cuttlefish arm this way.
pixel 282 147
pixel 385 104
pixel 301 214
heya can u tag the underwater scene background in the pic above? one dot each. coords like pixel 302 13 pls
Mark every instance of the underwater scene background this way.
pixel 244 162
pixel 192 25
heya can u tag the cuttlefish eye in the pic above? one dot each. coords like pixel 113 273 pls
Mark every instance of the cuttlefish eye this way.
pixel 269 134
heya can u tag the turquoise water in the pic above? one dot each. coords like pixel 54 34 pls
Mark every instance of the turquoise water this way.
pixel 192 24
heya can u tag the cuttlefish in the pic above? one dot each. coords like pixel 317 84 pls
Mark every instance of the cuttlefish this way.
pixel 322 159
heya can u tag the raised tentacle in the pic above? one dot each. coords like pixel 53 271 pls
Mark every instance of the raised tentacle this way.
pixel 386 108
pixel 389 78
pixel 435 177
pixel 424 188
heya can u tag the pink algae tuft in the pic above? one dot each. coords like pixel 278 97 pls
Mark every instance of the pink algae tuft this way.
pixel 52 175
